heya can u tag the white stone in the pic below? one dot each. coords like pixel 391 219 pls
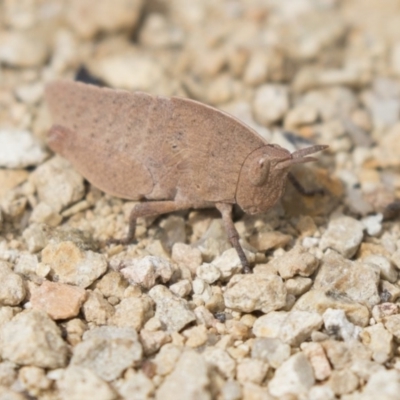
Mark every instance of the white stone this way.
pixel 298 285
pixel 395 58
pixel 373 224
pixel 79 383
pixel 32 338
pixel 343 382
pixel 186 256
pixel 344 234
pixel 379 341
pixel 291 327
pixel 321 393
pixel 181 288
pixel 19 49
pixel 297 261
pixel 256 70
pixel 213 243
pixel 145 271
pixel 380 311
pixel 96 308
pixel 171 310
pixel 19 149
pixel 229 263
pixel 336 321
pixel 201 290
pixel 12 288
pixel 158 31
pixel 231 390
pixel 302 114
pixel 387 269
pixel 271 350
pixel 57 183
pixel 383 384
pixel 269 325
pixel 317 357
pixel 298 326
pixel 208 272
pixel 365 368
pixel 108 351
pixel 357 281
pixel 35 237
pixel 136 385
pixel 189 380
pixel 221 359
pixel 247 293
pixel 116 70
pixel 295 376
pixel 383 103
pixel 204 316
pixel 251 370
pixel 43 213
pixel 133 312
pixel 34 380
pixel 167 358
pixel 271 102
pixel 70 264
pixel 30 93
pixel 91 17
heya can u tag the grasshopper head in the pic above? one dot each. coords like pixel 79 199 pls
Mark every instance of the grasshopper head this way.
pixel 263 175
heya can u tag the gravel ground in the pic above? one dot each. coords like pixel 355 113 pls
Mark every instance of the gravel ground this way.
pixel 173 316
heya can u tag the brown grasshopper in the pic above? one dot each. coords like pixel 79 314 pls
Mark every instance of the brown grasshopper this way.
pixel 169 153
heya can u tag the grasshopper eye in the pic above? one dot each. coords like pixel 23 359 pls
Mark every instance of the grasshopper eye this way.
pixel 259 171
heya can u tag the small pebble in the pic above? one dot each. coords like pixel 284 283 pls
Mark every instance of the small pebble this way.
pixel 387 269
pixel 208 272
pixel 171 310
pixel 69 264
pixel 295 375
pixel 248 293
pixel 58 185
pixel 344 234
pixel 19 149
pixel 12 288
pixel 221 359
pixel 60 301
pixel 337 324
pixel 181 288
pixel 379 341
pixel 373 224
pixel 190 376
pixel 271 102
pixel 297 261
pixel 145 271
pixel 318 360
pixel 32 338
pixel 271 350
pixel 132 312
pixel 108 351
pixel 292 328
pixel 78 382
